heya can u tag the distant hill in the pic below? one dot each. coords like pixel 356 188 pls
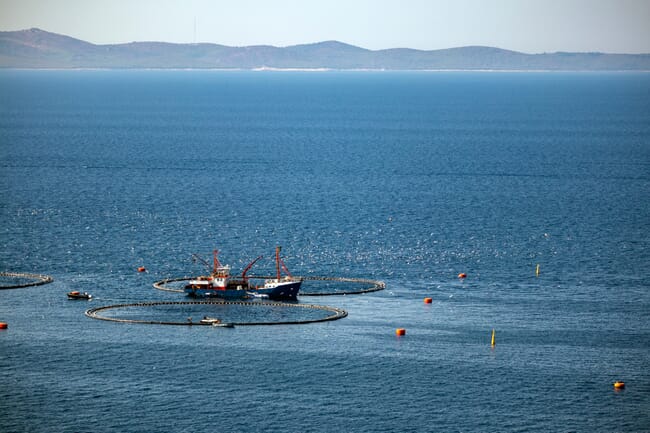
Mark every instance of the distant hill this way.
pixel 35 48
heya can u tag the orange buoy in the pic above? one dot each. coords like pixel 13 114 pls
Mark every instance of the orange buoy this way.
pixel 142 269
pixel 619 385
pixel 428 300
pixel 462 275
pixel 400 331
pixel 3 325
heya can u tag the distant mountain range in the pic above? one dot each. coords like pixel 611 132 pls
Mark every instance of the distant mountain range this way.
pixel 35 48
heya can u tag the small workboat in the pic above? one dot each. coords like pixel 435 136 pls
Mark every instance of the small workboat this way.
pixel 215 322
pixel 79 295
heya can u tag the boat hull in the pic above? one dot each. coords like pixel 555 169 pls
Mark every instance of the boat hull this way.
pixel 285 291
pixel 77 295
pixel 216 293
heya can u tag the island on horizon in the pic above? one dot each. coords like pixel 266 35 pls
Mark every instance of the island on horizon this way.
pixel 39 49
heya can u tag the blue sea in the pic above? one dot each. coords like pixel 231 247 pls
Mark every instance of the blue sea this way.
pixel 405 177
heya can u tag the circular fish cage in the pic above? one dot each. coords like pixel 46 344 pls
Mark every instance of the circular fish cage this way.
pixel 223 313
pixel 332 286
pixel 19 280
pixel 312 285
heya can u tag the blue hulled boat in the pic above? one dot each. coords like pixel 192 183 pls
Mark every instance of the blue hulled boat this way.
pixel 281 287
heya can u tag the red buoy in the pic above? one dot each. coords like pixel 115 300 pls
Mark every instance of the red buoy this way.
pixel 3 325
pixel 462 275
pixel 400 331
pixel 142 269
pixel 428 300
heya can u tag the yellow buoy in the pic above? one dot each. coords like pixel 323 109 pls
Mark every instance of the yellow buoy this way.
pixel 400 331
pixel 619 385
pixel 537 270
pixel 494 341
pixel 428 300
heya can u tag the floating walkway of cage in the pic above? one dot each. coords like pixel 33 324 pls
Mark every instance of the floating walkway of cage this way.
pixel 195 306
pixel 368 285
pixel 19 280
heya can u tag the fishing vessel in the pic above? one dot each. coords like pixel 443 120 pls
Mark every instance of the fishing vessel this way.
pixel 281 287
pixel 222 285
pixel 219 283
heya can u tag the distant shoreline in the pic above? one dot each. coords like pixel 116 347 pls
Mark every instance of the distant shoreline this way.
pixel 39 49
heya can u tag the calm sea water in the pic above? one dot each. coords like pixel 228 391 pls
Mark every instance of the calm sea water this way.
pixel 409 178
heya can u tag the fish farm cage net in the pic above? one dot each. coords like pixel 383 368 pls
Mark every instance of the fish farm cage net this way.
pixel 19 280
pixel 227 312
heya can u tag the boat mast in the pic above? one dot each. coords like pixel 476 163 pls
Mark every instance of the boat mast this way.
pixel 277 262
pixel 215 261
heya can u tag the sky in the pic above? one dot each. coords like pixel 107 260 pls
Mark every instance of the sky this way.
pixel 531 26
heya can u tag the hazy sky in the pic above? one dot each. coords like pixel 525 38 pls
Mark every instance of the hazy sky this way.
pixel 532 26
